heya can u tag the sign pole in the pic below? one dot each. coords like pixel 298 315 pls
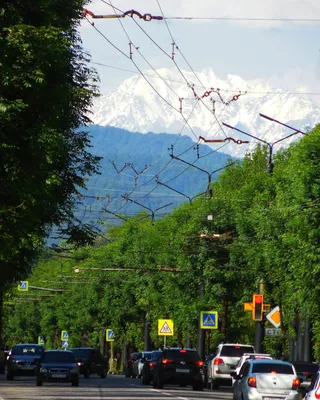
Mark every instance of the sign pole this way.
pixel 164 341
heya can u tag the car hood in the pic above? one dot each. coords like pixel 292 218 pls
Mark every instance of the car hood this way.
pixel 58 365
pixel 25 357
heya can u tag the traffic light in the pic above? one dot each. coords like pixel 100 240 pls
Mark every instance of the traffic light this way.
pixel 257 307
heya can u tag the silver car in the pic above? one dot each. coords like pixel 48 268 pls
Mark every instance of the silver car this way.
pixel 313 392
pixel 224 361
pixel 138 364
pixel 266 380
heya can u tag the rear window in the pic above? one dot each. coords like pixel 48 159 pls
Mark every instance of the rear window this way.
pixel 268 368
pixel 81 353
pixel 306 368
pixel 235 351
pixel 58 357
pixel 135 356
pixel 181 355
pixel 147 356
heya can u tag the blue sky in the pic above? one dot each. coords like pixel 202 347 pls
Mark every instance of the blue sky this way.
pixel 287 53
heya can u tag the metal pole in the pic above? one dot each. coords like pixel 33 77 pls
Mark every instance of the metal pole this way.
pixel 146 335
pixel 259 332
pixel 201 332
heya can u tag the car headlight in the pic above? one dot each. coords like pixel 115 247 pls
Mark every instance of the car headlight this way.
pixel 74 370
pixel 43 369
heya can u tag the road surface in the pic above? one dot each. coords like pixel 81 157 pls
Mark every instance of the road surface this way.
pixel 113 387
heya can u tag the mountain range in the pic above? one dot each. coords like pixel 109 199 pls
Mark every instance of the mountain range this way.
pixel 196 103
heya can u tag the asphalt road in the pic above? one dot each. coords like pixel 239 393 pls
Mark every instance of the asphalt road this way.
pixel 113 387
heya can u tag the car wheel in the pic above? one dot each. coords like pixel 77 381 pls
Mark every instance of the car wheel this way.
pixel 104 374
pixel 10 376
pixel 155 381
pixel 75 383
pixel 39 382
pixel 87 373
pixel 198 386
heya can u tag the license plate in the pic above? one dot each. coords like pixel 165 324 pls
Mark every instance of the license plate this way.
pixel 59 375
pixel 183 370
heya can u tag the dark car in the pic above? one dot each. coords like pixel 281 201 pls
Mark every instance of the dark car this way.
pixel 23 360
pixel 57 366
pixel 128 367
pixel 90 361
pixel 180 367
pixel 148 367
pixel 306 372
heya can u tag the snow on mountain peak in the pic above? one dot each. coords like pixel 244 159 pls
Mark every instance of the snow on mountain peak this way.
pixel 181 102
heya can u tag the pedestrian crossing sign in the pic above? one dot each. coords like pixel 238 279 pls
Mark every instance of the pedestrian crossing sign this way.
pixel 209 320
pixel 110 335
pixel 23 286
pixel 64 335
pixel 165 327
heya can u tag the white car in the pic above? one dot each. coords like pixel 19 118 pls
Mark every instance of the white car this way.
pixel 266 380
pixel 225 360
pixel 138 364
pixel 249 356
pixel 314 390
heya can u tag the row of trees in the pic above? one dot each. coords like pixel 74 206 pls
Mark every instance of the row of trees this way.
pixel 263 226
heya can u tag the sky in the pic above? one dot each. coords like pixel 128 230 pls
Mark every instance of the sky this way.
pixel 260 45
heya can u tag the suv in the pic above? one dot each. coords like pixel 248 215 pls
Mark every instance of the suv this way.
pixel 90 361
pixel 225 360
pixel 179 366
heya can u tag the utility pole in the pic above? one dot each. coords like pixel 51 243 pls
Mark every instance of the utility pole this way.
pixel 201 332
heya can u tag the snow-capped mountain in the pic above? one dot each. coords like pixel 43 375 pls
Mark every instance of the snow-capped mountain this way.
pixel 173 101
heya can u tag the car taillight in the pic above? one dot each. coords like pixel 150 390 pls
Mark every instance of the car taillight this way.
pixel 218 361
pixel 183 351
pixel 131 361
pixel 150 364
pixel 252 382
pixel 199 363
pixel 317 393
pixel 295 384
pixel 167 361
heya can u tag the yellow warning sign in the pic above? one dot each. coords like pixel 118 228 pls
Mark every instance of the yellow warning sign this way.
pixel 165 327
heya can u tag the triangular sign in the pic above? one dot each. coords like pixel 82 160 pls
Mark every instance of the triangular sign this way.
pixel 209 321
pixel 165 328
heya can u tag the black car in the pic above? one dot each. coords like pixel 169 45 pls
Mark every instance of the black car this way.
pixel 148 367
pixel 128 367
pixel 57 366
pixel 23 360
pixel 90 361
pixel 179 366
pixel 305 371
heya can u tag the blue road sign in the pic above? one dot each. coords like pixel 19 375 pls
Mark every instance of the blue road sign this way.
pixel 110 335
pixel 65 344
pixel 23 286
pixel 64 335
pixel 209 320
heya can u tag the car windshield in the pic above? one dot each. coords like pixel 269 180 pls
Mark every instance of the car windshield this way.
pixel 182 355
pixel 272 368
pixel 27 350
pixel 235 351
pixel 58 357
pixel 81 353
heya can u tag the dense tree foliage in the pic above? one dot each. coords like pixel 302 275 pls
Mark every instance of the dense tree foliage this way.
pixel 263 227
pixel 46 91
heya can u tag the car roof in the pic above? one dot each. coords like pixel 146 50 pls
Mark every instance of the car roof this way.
pixel 83 348
pixel 28 344
pixel 179 348
pixel 58 351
